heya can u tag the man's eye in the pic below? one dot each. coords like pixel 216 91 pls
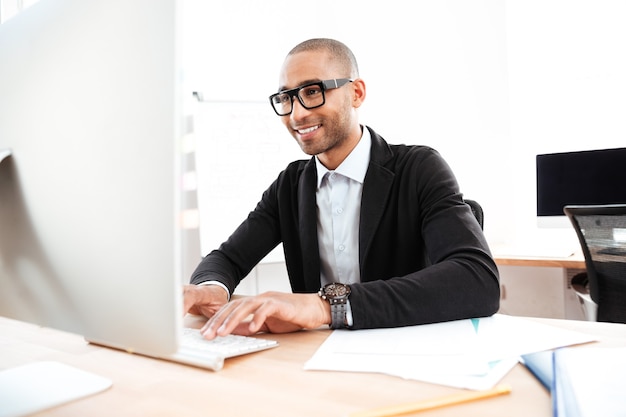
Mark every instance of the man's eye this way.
pixel 311 91
pixel 281 99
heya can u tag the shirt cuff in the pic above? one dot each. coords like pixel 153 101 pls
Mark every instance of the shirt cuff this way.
pixel 348 314
pixel 219 284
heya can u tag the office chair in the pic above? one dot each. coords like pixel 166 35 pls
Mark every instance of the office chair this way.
pixel 601 231
pixel 477 210
pixel 580 284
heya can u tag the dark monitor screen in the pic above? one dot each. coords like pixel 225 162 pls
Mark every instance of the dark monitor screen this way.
pixel 581 178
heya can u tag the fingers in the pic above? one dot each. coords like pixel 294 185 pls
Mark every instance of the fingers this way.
pixel 203 299
pixel 269 312
pixel 189 300
pixel 233 315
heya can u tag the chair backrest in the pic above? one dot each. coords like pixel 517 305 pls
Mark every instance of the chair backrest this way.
pixel 477 210
pixel 601 231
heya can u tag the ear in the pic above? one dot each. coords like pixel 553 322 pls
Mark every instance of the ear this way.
pixel 358 95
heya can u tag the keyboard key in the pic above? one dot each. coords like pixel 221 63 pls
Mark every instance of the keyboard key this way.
pixel 224 346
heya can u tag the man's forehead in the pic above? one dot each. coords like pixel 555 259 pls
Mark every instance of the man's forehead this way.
pixel 303 67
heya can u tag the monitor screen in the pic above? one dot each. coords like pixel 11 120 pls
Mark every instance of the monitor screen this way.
pixel 581 178
pixel 90 196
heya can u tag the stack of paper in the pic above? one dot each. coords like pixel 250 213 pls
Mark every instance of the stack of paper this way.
pixel 583 381
pixel 473 353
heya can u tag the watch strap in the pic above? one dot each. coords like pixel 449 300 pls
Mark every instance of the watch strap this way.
pixel 339 315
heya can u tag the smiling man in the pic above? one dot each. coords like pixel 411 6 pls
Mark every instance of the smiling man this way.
pixel 374 235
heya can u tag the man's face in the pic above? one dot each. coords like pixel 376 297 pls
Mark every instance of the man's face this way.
pixel 322 129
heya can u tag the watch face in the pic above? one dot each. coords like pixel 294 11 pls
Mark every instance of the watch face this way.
pixel 336 290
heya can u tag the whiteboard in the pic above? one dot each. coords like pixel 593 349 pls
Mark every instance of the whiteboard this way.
pixel 241 147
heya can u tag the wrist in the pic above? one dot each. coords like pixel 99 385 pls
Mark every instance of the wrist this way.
pixel 213 285
pixel 336 295
pixel 325 310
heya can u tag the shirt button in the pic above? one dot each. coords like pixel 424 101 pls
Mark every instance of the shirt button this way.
pixel 341 247
pixel 339 210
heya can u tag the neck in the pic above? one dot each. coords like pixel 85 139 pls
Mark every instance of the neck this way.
pixel 332 158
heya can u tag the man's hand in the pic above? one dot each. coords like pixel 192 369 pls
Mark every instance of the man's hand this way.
pixel 203 300
pixel 272 312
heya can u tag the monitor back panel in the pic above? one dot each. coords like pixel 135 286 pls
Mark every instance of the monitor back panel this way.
pixel 89 199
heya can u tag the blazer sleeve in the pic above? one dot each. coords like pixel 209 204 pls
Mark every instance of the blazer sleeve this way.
pixel 275 219
pixel 255 237
pixel 428 260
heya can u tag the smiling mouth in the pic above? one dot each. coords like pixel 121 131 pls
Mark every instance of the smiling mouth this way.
pixel 307 130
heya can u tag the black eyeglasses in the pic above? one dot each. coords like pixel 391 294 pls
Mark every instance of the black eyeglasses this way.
pixel 310 95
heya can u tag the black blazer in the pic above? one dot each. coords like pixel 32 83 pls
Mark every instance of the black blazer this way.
pixel 423 256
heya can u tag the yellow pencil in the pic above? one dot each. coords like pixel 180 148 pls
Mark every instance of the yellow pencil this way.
pixel 463 397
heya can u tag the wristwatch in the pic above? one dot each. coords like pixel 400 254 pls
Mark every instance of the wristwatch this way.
pixel 337 295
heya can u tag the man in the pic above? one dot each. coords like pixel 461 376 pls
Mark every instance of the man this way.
pixel 374 235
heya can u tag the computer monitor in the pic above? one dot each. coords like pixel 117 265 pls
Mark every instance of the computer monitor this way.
pixel 578 178
pixel 91 195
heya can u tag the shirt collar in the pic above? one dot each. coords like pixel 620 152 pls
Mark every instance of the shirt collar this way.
pixel 356 163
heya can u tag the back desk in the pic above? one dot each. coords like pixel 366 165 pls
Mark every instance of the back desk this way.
pixel 270 383
pixel 539 286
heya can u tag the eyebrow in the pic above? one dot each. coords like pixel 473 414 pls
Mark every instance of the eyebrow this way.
pixel 305 82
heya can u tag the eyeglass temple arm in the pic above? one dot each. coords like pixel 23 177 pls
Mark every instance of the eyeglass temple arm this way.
pixel 336 83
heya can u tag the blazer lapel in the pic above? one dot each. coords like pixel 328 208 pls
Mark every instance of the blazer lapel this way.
pixel 307 221
pixel 376 189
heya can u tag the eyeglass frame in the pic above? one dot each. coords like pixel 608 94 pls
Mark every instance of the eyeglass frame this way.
pixel 295 92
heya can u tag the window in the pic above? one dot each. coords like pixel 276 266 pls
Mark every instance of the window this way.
pixel 9 8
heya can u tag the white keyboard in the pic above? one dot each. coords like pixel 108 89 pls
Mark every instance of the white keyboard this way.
pixel 196 350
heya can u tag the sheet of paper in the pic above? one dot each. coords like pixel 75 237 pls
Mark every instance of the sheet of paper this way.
pixel 37 386
pixel 473 354
pixel 578 372
pixel 503 336
pixel 540 364
pixel 444 348
pixel 496 371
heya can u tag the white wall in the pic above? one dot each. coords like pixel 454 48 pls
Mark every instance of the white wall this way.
pixel 488 83
pixel 567 66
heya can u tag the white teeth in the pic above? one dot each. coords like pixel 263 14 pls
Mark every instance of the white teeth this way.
pixel 309 130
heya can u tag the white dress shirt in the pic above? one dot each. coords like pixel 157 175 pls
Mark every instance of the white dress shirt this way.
pixel 338 213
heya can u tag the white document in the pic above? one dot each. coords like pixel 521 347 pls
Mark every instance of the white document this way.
pixel 590 382
pixel 37 386
pixel 505 336
pixel 473 353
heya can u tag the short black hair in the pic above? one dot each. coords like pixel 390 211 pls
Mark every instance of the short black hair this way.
pixel 337 50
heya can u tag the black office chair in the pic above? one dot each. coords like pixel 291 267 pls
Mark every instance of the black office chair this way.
pixel 477 210
pixel 601 231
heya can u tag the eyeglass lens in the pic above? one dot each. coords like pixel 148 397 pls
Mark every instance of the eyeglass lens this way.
pixel 310 96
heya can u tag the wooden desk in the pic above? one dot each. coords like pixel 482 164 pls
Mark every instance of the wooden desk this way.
pixel 270 383
pixel 539 286
pixel 571 262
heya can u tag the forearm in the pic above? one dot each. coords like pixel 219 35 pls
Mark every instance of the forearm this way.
pixel 441 292
pixel 216 267
pixel 245 248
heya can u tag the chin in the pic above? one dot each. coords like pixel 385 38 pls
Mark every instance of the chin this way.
pixel 307 150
